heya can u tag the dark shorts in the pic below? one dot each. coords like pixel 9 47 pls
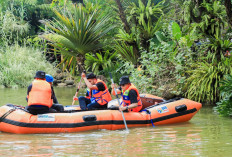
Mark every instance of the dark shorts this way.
pixel 37 109
pixel 86 104
pixel 40 109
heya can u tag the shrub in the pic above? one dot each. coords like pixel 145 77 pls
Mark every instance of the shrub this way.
pixel 19 64
pixel 224 107
pixel 203 82
pixel 160 67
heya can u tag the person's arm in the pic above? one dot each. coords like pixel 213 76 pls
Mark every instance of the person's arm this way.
pixel 86 95
pixel 88 84
pixel 118 90
pixel 55 101
pixel 28 91
pixel 133 100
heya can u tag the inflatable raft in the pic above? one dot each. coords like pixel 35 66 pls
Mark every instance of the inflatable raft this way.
pixel 14 119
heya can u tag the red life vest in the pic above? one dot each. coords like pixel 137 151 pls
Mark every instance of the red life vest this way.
pixel 40 94
pixel 126 99
pixel 102 97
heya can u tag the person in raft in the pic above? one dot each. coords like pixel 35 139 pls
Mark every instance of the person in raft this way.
pixel 39 95
pixel 130 95
pixel 98 96
pixel 56 105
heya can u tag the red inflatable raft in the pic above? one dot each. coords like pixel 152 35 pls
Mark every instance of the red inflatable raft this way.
pixel 16 120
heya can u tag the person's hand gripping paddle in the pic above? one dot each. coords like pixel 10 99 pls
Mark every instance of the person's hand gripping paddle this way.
pixel 78 88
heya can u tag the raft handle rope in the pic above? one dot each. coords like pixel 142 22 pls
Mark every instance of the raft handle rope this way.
pixel 164 102
pixel 18 107
pixel 7 113
pixel 148 112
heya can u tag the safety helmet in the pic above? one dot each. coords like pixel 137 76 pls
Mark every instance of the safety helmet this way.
pixel 49 78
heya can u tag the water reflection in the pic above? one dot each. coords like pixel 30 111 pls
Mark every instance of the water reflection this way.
pixel 165 141
pixel 205 135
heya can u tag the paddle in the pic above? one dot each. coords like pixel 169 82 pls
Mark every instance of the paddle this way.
pixel 78 88
pixel 119 102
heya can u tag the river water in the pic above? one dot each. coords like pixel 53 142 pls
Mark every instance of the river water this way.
pixel 206 134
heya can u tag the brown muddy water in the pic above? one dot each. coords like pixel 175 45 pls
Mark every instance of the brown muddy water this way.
pixel 206 134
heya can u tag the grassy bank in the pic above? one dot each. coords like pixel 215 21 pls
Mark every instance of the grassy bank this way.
pixel 18 65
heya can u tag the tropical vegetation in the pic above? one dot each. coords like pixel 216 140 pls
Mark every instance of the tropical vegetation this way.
pixel 224 106
pixel 167 47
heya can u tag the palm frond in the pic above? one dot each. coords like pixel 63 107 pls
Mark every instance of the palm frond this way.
pixel 75 31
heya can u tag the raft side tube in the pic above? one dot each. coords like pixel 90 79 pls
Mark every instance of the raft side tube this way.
pixel 165 102
pixel 174 111
pixel 166 112
pixel 133 119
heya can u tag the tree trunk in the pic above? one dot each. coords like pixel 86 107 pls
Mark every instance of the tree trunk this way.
pixel 123 17
pixel 144 2
pixel 80 63
pixel 201 10
pixel 228 11
pixel 77 1
pixel 127 28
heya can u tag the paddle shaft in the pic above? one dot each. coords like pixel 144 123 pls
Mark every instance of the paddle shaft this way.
pixel 78 88
pixel 119 102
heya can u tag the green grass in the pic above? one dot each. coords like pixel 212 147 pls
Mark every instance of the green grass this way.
pixel 18 65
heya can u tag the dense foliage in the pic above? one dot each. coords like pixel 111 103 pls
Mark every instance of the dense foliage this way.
pixel 21 51
pixel 224 107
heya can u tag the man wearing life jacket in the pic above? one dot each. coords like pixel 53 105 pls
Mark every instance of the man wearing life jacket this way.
pixel 56 106
pixel 98 95
pixel 130 95
pixel 39 95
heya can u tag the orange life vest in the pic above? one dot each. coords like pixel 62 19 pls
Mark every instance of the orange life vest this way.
pixel 40 93
pixel 126 99
pixel 102 97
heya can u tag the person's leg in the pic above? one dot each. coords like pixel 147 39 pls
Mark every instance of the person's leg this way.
pixel 104 106
pixel 37 109
pixel 52 110
pixel 83 101
pixel 94 106
pixel 58 107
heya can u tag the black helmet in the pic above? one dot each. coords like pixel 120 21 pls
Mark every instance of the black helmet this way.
pixel 124 80
pixel 90 76
pixel 40 74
